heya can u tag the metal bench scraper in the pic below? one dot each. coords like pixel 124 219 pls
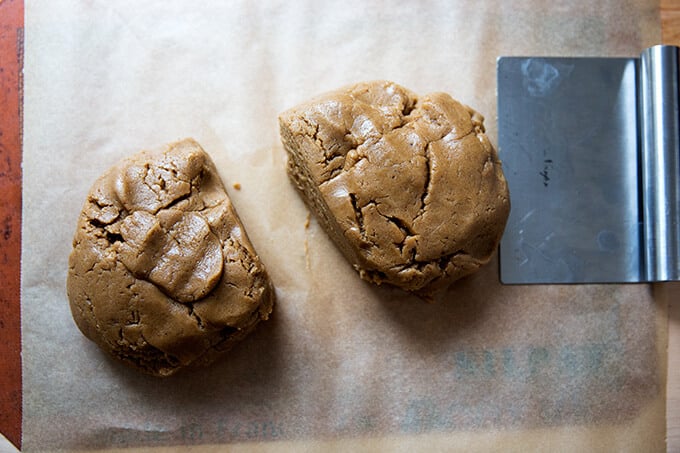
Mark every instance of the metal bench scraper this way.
pixel 591 151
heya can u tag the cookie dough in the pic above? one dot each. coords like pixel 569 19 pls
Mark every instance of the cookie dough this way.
pixel 162 274
pixel 409 188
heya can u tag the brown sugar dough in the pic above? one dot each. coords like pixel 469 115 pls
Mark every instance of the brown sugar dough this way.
pixel 162 274
pixel 410 189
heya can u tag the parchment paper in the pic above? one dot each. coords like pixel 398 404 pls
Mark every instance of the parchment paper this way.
pixel 341 364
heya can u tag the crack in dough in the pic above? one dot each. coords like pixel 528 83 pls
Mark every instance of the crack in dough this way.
pixel 162 274
pixel 420 199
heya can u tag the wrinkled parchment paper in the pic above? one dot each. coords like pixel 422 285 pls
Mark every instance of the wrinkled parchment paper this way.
pixel 341 363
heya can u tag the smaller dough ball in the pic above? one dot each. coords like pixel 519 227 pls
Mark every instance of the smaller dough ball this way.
pixel 162 274
pixel 409 188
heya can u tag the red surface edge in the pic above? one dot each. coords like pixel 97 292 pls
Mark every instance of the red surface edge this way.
pixel 11 105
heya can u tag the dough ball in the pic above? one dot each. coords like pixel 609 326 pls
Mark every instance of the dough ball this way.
pixel 409 188
pixel 162 274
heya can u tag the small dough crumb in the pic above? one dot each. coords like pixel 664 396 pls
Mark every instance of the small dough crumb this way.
pixel 409 188
pixel 236 186
pixel 162 274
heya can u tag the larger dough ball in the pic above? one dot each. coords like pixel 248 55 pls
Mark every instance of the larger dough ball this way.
pixel 409 188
